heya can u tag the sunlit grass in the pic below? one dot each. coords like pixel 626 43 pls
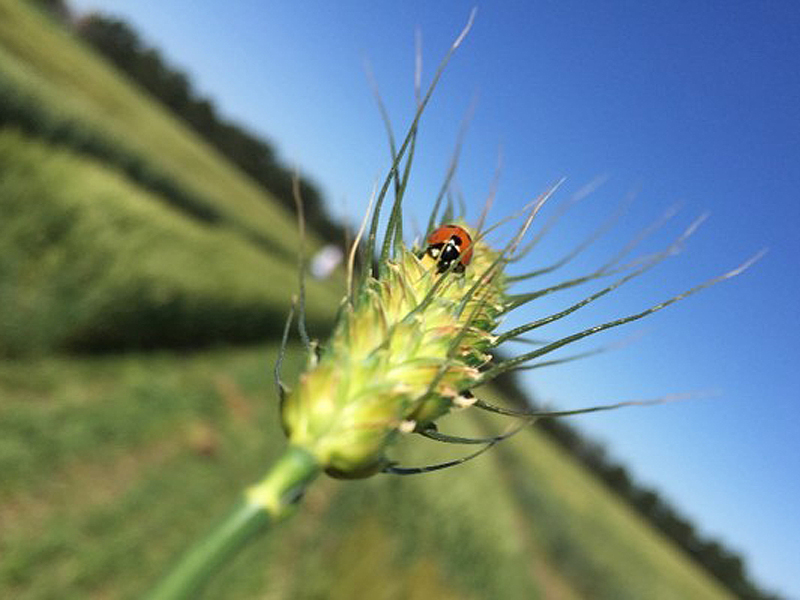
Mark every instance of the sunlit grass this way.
pixel 130 455
pixel 89 260
pixel 39 58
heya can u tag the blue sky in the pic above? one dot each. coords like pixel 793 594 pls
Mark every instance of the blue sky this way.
pixel 690 103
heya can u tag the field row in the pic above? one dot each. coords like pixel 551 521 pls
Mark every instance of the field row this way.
pixel 90 261
pixel 79 97
pixel 136 455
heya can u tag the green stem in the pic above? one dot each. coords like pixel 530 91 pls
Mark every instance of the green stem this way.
pixel 266 502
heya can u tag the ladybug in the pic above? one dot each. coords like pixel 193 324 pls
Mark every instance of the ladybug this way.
pixel 447 244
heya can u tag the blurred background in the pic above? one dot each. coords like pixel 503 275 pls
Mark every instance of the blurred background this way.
pixel 148 255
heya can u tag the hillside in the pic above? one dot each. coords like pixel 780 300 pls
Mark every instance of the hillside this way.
pixel 111 464
pixel 90 261
pixel 45 67
pixel 127 229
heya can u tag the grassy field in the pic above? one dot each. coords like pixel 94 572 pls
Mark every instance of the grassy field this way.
pixel 41 60
pixel 90 261
pixel 92 254
pixel 110 464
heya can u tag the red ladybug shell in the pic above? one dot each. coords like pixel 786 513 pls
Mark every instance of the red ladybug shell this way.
pixel 448 243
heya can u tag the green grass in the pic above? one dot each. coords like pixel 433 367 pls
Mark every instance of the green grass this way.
pixel 43 61
pixel 599 544
pixel 111 465
pixel 90 261
pixel 130 455
pixel 154 240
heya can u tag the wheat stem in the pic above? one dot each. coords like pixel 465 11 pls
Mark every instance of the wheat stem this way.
pixel 268 501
